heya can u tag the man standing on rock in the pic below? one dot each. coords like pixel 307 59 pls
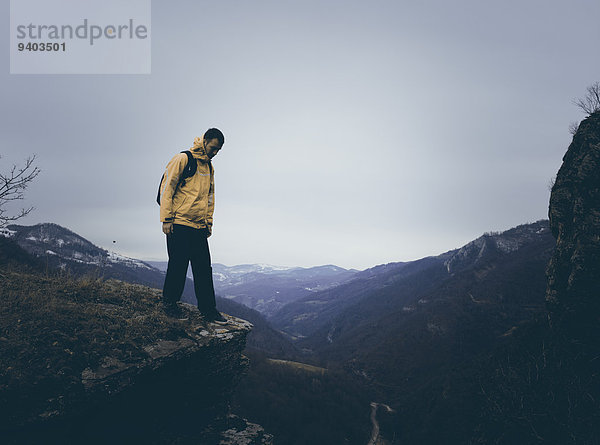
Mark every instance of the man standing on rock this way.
pixel 187 202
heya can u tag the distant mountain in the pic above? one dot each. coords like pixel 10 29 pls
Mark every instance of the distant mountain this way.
pixel 439 311
pixel 60 248
pixel 305 316
pixel 267 288
pixel 13 256
pixel 402 286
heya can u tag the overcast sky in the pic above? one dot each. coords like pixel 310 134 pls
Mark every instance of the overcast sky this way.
pixel 357 132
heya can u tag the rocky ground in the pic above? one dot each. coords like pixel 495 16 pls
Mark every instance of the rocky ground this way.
pixel 94 360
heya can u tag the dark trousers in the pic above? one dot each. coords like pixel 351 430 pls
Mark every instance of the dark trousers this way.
pixel 186 245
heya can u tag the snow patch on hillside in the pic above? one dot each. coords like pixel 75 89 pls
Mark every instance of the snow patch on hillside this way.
pixel 121 259
pixel 7 233
pixel 219 276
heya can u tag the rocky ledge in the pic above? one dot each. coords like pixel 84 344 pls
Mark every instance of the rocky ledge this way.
pixel 92 361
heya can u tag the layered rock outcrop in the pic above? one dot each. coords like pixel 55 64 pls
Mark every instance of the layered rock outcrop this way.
pixel 573 293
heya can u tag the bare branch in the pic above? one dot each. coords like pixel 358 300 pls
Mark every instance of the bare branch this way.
pixel 12 186
pixel 590 103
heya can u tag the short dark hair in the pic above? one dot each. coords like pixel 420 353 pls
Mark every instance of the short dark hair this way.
pixel 214 133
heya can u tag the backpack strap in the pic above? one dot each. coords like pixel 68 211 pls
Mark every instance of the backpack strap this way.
pixel 188 171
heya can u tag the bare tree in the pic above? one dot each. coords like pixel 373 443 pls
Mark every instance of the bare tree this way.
pixel 12 186
pixel 590 103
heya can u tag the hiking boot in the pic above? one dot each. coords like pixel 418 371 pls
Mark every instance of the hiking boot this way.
pixel 174 311
pixel 215 317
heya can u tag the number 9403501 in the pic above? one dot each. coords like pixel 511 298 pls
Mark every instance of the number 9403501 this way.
pixel 44 46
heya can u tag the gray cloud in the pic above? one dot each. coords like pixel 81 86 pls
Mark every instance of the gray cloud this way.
pixel 357 132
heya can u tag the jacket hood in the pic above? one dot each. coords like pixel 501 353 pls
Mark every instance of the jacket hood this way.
pixel 198 150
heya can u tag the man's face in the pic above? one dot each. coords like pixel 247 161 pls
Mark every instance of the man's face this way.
pixel 212 147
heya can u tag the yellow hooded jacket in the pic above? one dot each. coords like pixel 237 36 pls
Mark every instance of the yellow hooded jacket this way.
pixel 193 203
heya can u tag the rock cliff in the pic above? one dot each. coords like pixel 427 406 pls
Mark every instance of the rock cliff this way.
pixel 573 293
pixel 91 361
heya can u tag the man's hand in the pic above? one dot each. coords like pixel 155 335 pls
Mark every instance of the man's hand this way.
pixel 167 228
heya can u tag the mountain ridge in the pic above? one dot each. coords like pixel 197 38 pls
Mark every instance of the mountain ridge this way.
pixel 304 316
pixel 267 288
pixel 61 248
